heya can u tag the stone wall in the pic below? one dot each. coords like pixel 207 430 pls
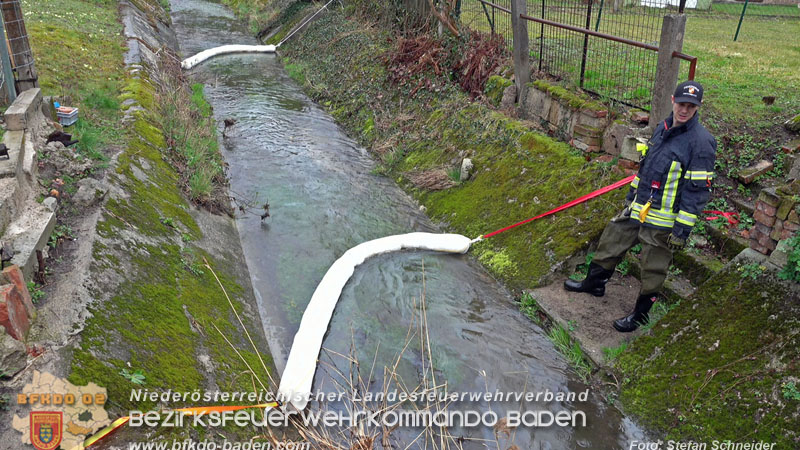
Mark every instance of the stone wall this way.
pixel 582 121
pixel 777 219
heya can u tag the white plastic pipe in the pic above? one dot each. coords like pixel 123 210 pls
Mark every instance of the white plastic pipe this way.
pixel 295 387
pixel 190 62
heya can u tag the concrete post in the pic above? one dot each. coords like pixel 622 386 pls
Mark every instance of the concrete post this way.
pixel 672 31
pixel 521 53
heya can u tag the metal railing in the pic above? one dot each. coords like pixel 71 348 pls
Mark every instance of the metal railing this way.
pixel 691 59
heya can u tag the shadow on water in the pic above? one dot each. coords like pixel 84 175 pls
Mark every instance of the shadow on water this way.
pixel 324 199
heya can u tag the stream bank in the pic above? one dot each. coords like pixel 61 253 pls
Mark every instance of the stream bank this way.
pixel 128 290
pixel 709 372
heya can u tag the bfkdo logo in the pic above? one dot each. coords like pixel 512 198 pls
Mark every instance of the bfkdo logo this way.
pixel 46 428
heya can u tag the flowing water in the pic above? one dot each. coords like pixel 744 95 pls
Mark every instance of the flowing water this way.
pixel 324 199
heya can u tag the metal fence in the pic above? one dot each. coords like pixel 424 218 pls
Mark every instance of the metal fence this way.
pixel 488 17
pixel 605 67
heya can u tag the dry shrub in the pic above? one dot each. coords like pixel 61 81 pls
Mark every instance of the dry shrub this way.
pixel 424 57
pixel 414 56
pixel 484 53
pixel 432 180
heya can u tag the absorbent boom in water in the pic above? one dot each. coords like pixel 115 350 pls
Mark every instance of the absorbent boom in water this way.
pixel 295 387
pixel 188 63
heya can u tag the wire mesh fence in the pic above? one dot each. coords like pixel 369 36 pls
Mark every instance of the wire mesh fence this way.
pixel 607 68
pixel 19 49
pixel 488 17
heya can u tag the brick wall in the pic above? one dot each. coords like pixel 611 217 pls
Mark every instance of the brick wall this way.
pixel 777 217
pixel 16 306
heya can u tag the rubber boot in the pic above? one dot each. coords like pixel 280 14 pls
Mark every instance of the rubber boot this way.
pixel 639 316
pixel 594 283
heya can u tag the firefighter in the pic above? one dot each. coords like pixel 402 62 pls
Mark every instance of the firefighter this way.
pixel 664 202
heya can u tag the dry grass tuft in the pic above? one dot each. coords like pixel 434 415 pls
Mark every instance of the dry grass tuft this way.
pixel 432 180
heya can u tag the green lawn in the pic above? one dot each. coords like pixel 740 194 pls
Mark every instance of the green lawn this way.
pixel 765 61
pixel 76 47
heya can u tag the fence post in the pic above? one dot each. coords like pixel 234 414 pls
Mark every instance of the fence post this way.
pixel 8 75
pixel 521 53
pixel 21 54
pixel 672 31
pixel 585 52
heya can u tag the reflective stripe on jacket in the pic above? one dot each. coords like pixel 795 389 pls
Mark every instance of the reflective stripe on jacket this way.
pixel 675 176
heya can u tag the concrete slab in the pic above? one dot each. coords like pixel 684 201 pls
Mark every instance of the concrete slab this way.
pixel 28 157
pixel 8 206
pixel 588 317
pixel 13 140
pixel 22 113
pixel 30 232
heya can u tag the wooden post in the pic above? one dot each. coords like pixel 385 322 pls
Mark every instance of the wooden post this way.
pixel 521 53
pixel 672 31
pixel 21 54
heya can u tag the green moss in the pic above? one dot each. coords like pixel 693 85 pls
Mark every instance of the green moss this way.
pixel 698 268
pixel 495 86
pixel 141 90
pixel 793 124
pixel 288 19
pixel 573 100
pixel 714 365
pixel 499 263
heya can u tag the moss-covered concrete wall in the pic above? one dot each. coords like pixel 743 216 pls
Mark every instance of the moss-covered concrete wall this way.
pixel 158 307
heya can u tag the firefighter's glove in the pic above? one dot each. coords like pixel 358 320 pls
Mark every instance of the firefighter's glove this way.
pixel 675 242
pixel 625 214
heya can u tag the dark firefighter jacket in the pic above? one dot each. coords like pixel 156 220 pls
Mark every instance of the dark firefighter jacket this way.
pixel 674 176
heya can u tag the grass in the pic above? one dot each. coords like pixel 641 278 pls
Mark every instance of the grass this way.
pixel 530 307
pixel 571 350
pixel 190 131
pixel 736 75
pixel 166 308
pixel 70 39
pixel 612 353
